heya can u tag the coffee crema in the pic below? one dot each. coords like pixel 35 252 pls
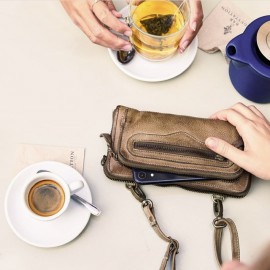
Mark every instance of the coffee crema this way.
pixel 46 198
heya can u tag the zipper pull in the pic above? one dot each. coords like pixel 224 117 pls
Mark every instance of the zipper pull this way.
pixel 103 160
pixel 108 140
pixel 219 157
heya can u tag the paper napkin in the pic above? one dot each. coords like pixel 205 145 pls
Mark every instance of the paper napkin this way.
pixel 224 23
pixel 27 154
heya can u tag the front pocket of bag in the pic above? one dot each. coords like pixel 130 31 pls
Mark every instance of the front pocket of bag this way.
pixel 173 148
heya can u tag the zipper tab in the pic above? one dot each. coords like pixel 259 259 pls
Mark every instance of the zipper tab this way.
pixel 108 140
pixel 103 160
pixel 219 157
pixel 218 207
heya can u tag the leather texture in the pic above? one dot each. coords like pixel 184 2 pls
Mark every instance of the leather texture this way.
pixel 175 144
pixel 220 225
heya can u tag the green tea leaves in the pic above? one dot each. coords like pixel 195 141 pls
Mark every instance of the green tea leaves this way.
pixel 157 24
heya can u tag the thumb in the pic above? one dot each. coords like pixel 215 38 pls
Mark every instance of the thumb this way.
pixel 224 149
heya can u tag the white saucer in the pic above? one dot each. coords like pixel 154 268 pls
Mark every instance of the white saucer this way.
pixel 52 233
pixel 141 69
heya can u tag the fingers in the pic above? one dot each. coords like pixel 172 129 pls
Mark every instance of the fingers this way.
pixel 196 20
pixel 82 15
pixel 254 129
pixel 249 112
pixel 105 16
pixel 228 151
pixel 102 36
pixel 240 115
pixel 263 261
pixel 110 5
pixel 256 111
pixel 235 116
pixel 234 265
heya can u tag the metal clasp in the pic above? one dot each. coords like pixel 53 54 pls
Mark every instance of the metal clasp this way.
pixel 136 191
pixel 147 202
pixel 218 211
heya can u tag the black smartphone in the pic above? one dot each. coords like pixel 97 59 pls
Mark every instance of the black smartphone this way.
pixel 145 177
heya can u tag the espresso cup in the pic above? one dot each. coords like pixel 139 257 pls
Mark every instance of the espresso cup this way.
pixel 158 26
pixel 47 195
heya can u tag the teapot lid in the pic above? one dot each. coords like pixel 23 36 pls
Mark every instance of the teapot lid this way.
pixel 263 39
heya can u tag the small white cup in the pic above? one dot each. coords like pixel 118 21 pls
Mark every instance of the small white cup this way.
pixel 47 195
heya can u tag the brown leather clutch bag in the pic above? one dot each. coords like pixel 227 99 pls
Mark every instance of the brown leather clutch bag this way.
pixel 175 144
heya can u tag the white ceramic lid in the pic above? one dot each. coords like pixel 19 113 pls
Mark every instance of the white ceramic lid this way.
pixel 263 40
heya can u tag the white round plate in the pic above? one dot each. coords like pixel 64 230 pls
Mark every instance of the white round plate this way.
pixel 52 233
pixel 150 71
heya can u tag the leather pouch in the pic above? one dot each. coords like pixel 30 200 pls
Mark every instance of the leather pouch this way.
pixel 175 144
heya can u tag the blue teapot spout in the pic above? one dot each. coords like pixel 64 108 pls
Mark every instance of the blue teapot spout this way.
pixel 235 50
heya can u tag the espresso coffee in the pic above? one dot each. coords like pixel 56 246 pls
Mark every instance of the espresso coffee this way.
pixel 46 198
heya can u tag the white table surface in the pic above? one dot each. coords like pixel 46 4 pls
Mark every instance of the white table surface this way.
pixel 57 88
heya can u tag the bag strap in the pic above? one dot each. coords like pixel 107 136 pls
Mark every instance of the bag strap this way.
pixel 219 224
pixel 148 208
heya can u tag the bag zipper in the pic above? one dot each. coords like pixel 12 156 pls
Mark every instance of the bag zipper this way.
pixel 176 149
pixel 125 180
pixel 108 174
pixel 205 192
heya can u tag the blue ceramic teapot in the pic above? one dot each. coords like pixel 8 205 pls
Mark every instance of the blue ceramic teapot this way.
pixel 249 67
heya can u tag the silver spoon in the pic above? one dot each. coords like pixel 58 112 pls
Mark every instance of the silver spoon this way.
pixel 92 208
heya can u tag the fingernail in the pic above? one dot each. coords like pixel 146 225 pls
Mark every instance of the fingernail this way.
pixel 194 26
pixel 128 33
pixel 127 48
pixel 211 143
pixel 183 46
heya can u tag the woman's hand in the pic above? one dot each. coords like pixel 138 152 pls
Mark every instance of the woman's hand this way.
pixel 235 265
pixel 254 129
pixel 196 21
pixel 94 17
pixel 261 263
